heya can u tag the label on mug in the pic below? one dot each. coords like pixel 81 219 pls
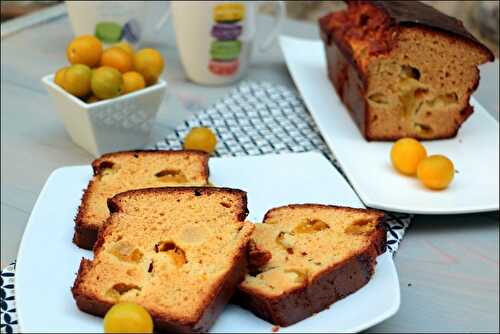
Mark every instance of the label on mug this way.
pixel 226 48
pixel 112 32
pixel 111 22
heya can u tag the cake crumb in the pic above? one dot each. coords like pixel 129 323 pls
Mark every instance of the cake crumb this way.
pixel 275 329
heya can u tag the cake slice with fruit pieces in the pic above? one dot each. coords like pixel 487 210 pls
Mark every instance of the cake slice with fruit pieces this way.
pixel 306 257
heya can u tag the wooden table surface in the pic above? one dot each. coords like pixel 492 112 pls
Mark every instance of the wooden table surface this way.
pixel 448 265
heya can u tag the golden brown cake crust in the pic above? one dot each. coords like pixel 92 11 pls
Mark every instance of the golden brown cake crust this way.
pixel 332 284
pixel 395 14
pixel 410 13
pixel 402 68
pixel 217 299
pixel 86 229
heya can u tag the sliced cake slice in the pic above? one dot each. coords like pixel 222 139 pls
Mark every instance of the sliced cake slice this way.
pixel 121 171
pixel 318 255
pixel 179 252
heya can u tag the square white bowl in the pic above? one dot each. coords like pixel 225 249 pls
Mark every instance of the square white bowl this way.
pixel 121 123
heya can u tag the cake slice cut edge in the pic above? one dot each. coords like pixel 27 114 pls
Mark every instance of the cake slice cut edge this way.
pixel 180 252
pixel 402 68
pixel 318 255
pixel 117 172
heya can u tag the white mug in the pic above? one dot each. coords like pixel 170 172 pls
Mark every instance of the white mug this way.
pixel 110 21
pixel 215 38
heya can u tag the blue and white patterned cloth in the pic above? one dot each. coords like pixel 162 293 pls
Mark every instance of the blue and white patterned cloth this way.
pixel 255 118
pixel 8 303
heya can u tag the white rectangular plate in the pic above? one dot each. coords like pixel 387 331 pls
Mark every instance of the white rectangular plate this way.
pixel 474 151
pixel 48 260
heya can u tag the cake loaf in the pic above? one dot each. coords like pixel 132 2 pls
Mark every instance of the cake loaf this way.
pixel 179 252
pixel 121 171
pixel 305 257
pixel 402 68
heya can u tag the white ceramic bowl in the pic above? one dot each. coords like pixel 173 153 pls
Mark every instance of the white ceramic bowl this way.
pixel 121 123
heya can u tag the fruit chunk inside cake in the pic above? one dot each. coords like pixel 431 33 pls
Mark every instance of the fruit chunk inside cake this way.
pixel 307 240
pixel 169 250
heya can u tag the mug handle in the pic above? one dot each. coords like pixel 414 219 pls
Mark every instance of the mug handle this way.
pixel 278 22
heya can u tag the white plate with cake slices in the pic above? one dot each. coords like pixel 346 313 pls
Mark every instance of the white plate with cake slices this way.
pixel 474 151
pixel 48 260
